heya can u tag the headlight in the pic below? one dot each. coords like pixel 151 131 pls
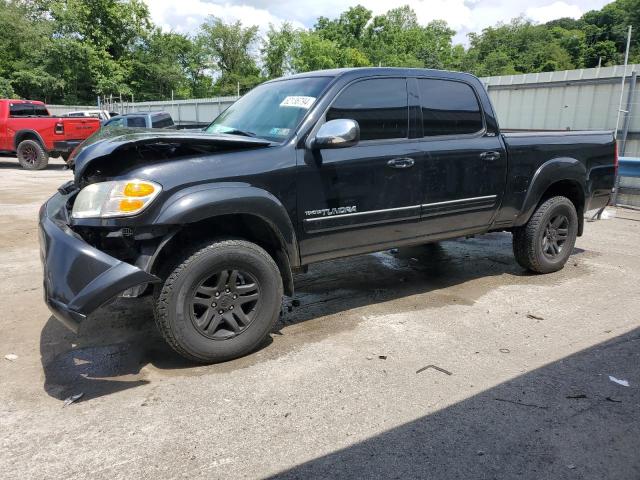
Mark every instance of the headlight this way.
pixel 114 199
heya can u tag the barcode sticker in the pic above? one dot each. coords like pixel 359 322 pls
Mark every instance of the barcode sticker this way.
pixel 298 102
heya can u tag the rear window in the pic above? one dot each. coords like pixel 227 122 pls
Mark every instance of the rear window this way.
pixel 162 121
pixel 448 108
pixel 136 122
pixel 21 110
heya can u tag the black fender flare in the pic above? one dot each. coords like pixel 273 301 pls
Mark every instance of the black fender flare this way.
pixel 203 202
pixel 552 171
pixel 18 137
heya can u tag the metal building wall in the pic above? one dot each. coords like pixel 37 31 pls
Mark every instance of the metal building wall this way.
pixel 585 99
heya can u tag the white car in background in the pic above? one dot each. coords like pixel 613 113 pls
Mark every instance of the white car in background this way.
pixel 103 115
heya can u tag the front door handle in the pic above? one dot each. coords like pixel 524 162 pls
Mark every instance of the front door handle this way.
pixel 401 162
pixel 490 156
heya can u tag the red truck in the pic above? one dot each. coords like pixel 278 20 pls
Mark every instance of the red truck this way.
pixel 33 135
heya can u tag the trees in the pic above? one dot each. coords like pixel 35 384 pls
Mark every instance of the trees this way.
pixel 230 47
pixel 276 50
pixel 70 51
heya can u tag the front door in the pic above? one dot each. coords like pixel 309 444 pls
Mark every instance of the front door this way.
pixel 465 167
pixel 352 200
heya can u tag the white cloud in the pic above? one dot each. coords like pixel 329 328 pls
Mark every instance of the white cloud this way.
pixel 464 16
pixel 555 10
pixel 186 16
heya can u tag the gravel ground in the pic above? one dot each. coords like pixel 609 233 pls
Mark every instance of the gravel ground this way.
pixel 445 361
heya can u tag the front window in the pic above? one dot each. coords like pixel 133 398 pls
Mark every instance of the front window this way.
pixel 271 110
pixel 379 105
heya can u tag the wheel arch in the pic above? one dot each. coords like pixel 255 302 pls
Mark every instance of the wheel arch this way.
pixel 559 176
pixel 22 135
pixel 242 212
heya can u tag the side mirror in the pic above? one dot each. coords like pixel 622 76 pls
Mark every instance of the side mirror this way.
pixel 339 133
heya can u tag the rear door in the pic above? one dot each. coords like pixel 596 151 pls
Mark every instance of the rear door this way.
pixel 350 199
pixel 465 166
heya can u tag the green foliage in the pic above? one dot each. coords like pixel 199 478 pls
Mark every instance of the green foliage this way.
pixel 229 47
pixel 70 51
pixel 276 50
pixel 6 89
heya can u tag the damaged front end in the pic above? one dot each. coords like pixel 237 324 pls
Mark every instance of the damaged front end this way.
pixel 79 278
pixel 90 259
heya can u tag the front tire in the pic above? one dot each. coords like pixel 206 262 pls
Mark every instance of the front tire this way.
pixel 31 155
pixel 221 302
pixel 545 242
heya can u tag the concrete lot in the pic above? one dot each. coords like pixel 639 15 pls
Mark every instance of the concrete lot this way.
pixel 341 389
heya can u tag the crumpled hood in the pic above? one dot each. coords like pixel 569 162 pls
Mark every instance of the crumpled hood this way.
pixel 110 141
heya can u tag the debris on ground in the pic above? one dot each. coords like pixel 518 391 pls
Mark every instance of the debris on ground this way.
pixel 73 398
pixel 624 383
pixel 12 357
pixel 515 402
pixel 534 317
pixel 435 367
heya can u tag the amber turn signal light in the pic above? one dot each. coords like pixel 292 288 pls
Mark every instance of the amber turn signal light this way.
pixel 130 205
pixel 138 189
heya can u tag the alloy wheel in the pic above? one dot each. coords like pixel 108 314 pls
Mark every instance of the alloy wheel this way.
pixel 224 304
pixel 555 236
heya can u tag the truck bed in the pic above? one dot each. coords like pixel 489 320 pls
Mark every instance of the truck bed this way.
pixel 584 154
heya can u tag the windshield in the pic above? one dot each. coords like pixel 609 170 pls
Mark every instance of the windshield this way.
pixel 271 110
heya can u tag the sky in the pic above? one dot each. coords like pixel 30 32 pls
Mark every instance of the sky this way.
pixel 464 16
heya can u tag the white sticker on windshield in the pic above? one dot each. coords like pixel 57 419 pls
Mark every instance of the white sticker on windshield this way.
pixel 298 102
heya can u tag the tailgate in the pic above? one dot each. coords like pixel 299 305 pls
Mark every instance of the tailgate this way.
pixel 80 128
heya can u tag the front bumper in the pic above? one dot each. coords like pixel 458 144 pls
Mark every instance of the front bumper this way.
pixel 78 278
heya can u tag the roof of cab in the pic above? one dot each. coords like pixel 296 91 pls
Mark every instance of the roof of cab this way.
pixel 385 71
pixel 15 100
pixel 129 114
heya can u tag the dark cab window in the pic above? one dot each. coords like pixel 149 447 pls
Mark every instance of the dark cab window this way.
pixel 378 105
pixel 136 122
pixel 162 121
pixel 40 111
pixel 21 110
pixel 448 108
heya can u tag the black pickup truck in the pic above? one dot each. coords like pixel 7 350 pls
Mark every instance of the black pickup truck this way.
pixel 300 170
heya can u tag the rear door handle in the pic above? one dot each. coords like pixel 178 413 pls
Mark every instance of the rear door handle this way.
pixel 490 156
pixel 403 162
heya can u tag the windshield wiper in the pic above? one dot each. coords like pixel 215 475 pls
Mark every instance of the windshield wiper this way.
pixel 235 131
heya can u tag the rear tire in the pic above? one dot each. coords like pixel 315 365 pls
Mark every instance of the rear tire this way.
pixel 31 155
pixel 221 302
pixel 545 242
